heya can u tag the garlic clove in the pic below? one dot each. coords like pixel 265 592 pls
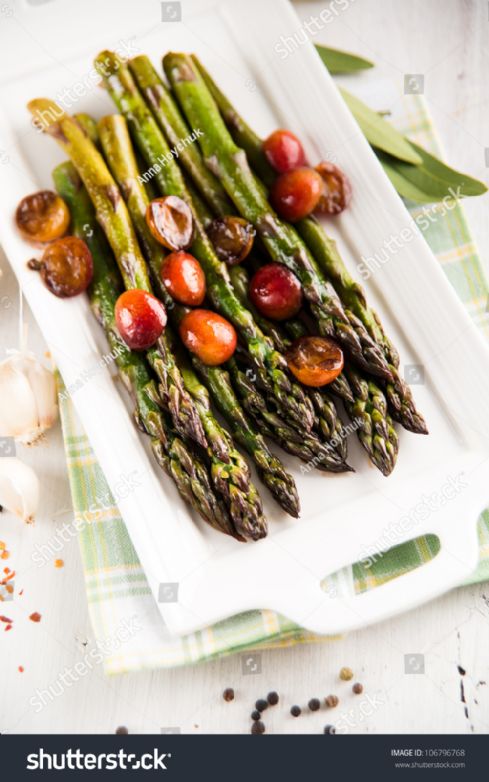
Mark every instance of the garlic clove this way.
pixel 28 403
pixel 19 488
pixel 18 409
pixel 43 384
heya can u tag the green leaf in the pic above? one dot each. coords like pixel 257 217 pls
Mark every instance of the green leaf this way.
pixel 378 132
pixel 419 184
pixel 439 170
pixel 404 187
pixel 337 61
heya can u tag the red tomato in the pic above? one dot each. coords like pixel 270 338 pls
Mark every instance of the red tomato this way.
pixel 171 222
pixel 276 292
pixel 284 151
pixel 208 335
pixel 66 267
pixel 315 361
pixel 140 318
pixel 337 189
pixel 296 193
pixel 183 277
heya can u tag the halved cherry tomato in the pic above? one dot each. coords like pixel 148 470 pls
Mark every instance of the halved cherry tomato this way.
pixel 208 335
pixel 315 361
pixel 284 151
pixel 140 318
pixel 171 222
pixel 276 292
pixel 296 193
pixel 337 189
pixel 232 238
pixel 183 277
pixel 66 267
pixel 42 217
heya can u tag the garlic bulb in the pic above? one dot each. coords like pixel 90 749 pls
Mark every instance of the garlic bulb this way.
pixel 19 488
pixel 28 404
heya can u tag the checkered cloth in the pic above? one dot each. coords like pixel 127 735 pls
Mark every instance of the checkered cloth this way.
pixel 116 585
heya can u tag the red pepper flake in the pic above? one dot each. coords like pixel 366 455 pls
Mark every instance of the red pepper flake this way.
pixel 2 545
pixel 5 554
pixel 7 578
pixel 21 669
pixel 58 563
pixel 9 589
pixel 6 570
pixel 21 592
pixel 6 619
pixel 8 627
pixel 35 617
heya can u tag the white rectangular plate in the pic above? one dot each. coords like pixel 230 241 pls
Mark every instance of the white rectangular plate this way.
pixel 49 48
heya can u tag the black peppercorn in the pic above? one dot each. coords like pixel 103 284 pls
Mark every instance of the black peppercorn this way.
pixel 357 688
pixel 255 715
pixel 314 704
pixel 329 729
pixel 258 728
pixel 296 711
pixel 272 698
pixel 261 705
pixel 228 694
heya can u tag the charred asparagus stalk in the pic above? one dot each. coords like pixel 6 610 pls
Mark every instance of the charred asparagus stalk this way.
pixel 118 149
pixel 112 215
pixel 271 368
pixel 229 163
pixel 327 423
pixel 324 250
pixel 179 459
pixel 176 130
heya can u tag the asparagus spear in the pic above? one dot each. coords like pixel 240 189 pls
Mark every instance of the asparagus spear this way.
pixel 112 215
pixel 230 473
pixel 327 423
pixel 366 406
pixel 325 252
pixel 176 130
pixel 284 245
pixel 306 445
pixel 179 459
pixel 119 152
pixel 271 368
pixel 229 470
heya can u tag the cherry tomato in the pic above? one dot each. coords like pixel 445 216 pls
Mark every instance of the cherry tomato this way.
pixel 284 151
pixel 42 217
pixel 171 222
pixel 276 292
pixel 337 189
pixel 232 238
pixel 140 318
pixel 315 361
pixel 66 267
pixel 183 277
pixel 296 193
pixel 208 335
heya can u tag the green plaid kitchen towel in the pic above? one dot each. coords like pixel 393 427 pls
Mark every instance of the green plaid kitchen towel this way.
pixel 122 609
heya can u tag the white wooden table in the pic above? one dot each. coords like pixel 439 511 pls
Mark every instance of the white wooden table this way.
pixel 446 40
